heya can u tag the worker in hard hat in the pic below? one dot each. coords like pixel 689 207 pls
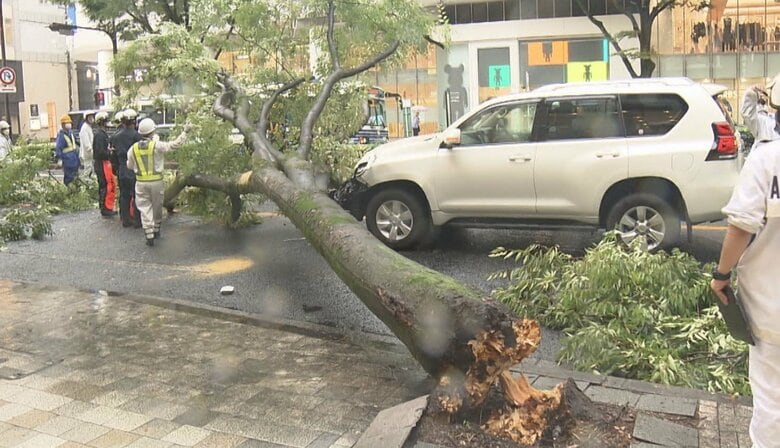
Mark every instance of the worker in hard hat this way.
pixel 102 166
pixel 122 140
pixel 66 150
pixel 86 137
pixel 147 158
pixel 5 139
pixel 750 250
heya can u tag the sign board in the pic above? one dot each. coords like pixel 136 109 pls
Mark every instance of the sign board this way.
pixel 7 80
pixel 498 76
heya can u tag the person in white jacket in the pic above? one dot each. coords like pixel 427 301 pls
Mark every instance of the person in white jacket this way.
pixel 5 139
pixel 761 122
pixel 751 246
pixel 87 137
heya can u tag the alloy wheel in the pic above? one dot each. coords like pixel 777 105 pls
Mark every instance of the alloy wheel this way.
pixel 394 220
pixel 643 223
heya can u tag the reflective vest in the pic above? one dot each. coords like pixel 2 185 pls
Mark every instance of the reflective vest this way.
pixel 71 144
pixel 143 154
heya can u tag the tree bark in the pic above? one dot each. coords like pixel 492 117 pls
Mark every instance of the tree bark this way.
pixel 434 315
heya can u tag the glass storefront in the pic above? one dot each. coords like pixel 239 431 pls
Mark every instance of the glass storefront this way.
pixel 557 61
pixel 733 42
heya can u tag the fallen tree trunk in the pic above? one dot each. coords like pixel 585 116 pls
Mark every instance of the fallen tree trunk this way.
pixel 460 336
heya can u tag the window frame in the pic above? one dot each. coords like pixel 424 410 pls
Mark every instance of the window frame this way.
pixel 544 127
pixel 533 138
pixel 687 108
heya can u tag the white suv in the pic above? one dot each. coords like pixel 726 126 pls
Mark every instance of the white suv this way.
pixel 640 156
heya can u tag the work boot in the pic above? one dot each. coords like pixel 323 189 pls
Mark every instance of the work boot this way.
pixel 150 241
pixel 107 213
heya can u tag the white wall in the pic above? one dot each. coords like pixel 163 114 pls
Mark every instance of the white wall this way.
pixel 559 28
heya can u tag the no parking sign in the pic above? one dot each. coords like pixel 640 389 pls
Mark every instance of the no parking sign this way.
pixel 7 80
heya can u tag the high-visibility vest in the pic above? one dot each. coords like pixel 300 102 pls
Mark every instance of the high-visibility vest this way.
pixel 71 145
pixel 143 154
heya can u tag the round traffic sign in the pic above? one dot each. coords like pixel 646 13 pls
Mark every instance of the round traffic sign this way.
pixel 7 75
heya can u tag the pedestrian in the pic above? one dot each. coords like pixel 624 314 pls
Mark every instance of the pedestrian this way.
pixel 416 123
pixel 751 245
pixel 761 123
pixel 5 139
pixel 102 166
pixel 66 150
pixel 122 141
pixel 146 158
pixel 86 137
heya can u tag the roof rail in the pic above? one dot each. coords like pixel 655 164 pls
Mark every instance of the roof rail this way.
pixel 623 82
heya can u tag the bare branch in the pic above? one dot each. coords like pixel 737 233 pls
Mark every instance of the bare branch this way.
pixel 372 62
pixel 263 122
pixel 227 37
pixel 232 189
pixel 434 42
pixel 634 23
pixel 615 44
pixel 222 104
pixel 334 52
pixel 307 127
pixel 660 7
pixel 239 117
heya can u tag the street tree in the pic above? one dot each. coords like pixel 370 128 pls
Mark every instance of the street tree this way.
pixel 641 15
pixel 301 96
pixel 131 19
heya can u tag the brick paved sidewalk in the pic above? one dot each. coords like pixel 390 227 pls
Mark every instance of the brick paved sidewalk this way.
pixel 86 369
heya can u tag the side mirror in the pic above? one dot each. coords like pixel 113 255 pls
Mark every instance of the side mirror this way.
pixel 451 138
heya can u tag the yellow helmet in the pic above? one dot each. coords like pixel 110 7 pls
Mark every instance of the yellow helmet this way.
pixel 65 119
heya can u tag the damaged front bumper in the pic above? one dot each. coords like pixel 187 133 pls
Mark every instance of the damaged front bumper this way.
pixel 351 196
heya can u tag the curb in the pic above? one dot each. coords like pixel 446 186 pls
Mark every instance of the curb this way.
pixel 382 342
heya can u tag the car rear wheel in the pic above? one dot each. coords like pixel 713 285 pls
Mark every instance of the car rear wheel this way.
pixel 398 218
pixel 646 219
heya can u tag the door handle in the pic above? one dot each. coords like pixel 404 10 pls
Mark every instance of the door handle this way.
pixel 608 154
pixel 519 159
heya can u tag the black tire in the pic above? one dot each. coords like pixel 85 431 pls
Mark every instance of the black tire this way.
pixel 652 203
pixel 420 218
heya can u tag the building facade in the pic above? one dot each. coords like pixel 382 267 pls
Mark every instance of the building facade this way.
pixel 40 58
pixel 499 47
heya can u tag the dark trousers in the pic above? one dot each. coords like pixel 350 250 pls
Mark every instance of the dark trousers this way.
pixel 70 174
pixel 106 185
pixel 127 208
pixel 415 131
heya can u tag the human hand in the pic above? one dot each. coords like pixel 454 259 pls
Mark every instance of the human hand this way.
pixel 717 287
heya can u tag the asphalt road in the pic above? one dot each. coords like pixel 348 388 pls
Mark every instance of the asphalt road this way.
pixel 273 269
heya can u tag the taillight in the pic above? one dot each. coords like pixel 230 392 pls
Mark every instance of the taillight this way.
pixel 725 145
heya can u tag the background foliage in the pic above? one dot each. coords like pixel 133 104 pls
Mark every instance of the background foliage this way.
pixel 629 313
pixel 28 196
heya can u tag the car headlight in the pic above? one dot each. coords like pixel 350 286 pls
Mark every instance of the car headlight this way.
pixel 363 165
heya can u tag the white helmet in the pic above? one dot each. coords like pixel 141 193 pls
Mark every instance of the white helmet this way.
pixel 4 125
pixel 119 116
pixel 130 114
pixel 146 127
pixel 101 117
pixel 774 91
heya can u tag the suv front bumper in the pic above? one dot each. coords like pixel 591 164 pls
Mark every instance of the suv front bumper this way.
pixel 352 196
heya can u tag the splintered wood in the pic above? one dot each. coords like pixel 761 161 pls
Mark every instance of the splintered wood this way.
pixel 525 414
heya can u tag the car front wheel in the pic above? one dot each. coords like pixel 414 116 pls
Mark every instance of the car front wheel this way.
pixel 646 219
pixel 398 218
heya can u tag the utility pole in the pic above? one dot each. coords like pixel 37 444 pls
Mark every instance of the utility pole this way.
pixel 5 62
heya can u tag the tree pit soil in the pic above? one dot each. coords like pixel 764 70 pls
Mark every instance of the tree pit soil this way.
pixel 612 430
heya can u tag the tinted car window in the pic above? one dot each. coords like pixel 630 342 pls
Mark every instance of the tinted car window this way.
pixel 501 124
pixel 651 114
pixel 583 118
